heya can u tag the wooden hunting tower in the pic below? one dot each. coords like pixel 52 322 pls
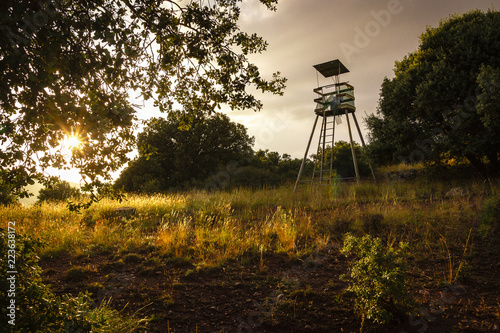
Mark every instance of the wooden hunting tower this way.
pixel 334 101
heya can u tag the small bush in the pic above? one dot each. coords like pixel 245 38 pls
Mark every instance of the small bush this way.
pixel 377 279
pixel 490 218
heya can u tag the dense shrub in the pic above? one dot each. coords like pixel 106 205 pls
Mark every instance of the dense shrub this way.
pixel 377 278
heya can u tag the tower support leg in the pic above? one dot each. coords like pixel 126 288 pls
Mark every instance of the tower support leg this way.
pixel 363 143
pixel 352 148
pixel 305 155
pixel 323 148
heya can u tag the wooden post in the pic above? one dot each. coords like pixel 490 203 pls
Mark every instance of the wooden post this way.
pixel 363 143
pixel 305 155
pixel 352 148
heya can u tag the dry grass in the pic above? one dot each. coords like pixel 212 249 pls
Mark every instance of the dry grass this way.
pixel 213 227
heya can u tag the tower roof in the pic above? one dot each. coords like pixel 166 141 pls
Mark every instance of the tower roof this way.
pixel 331 68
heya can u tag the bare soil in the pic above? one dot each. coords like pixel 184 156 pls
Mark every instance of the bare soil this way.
pixel 277 293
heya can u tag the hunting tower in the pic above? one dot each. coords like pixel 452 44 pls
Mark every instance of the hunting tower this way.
pixel 334 102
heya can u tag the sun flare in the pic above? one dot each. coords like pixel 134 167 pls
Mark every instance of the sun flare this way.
pixel 71 141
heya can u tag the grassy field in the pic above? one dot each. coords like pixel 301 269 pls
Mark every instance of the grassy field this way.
pixel 252 228
pixel 212 227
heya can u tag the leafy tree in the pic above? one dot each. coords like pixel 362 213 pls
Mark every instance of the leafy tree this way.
pixel 488 109
pixel 60 191
pixel 251 176
pixel 267 159
pixel 342 159
pixel 170 157
pixel 430 108
pixel 289 167
pixel 268 168
pixel 68 67
pixel 6 196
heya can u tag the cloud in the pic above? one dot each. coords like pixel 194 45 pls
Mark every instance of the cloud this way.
pixel 304 33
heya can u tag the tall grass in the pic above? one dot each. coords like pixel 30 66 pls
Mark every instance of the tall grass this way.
pixel 213 227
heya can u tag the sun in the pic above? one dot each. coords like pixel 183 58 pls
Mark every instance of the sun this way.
pixel 71 141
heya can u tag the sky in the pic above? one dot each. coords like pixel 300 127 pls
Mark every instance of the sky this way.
pixel 366 36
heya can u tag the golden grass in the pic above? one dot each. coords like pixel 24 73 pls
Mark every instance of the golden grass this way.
pixel 213 227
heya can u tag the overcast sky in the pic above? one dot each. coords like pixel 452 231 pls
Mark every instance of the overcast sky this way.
pixel 366 36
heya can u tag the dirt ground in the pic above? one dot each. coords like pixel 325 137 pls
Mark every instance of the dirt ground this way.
pixel 276 293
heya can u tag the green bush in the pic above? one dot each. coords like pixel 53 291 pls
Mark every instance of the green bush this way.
pixel 58 192
pixel 37 309
pixel 490 217
pixel 377 279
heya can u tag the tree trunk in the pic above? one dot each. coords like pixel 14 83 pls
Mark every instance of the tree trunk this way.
pixel 476 163
pixel 494 165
